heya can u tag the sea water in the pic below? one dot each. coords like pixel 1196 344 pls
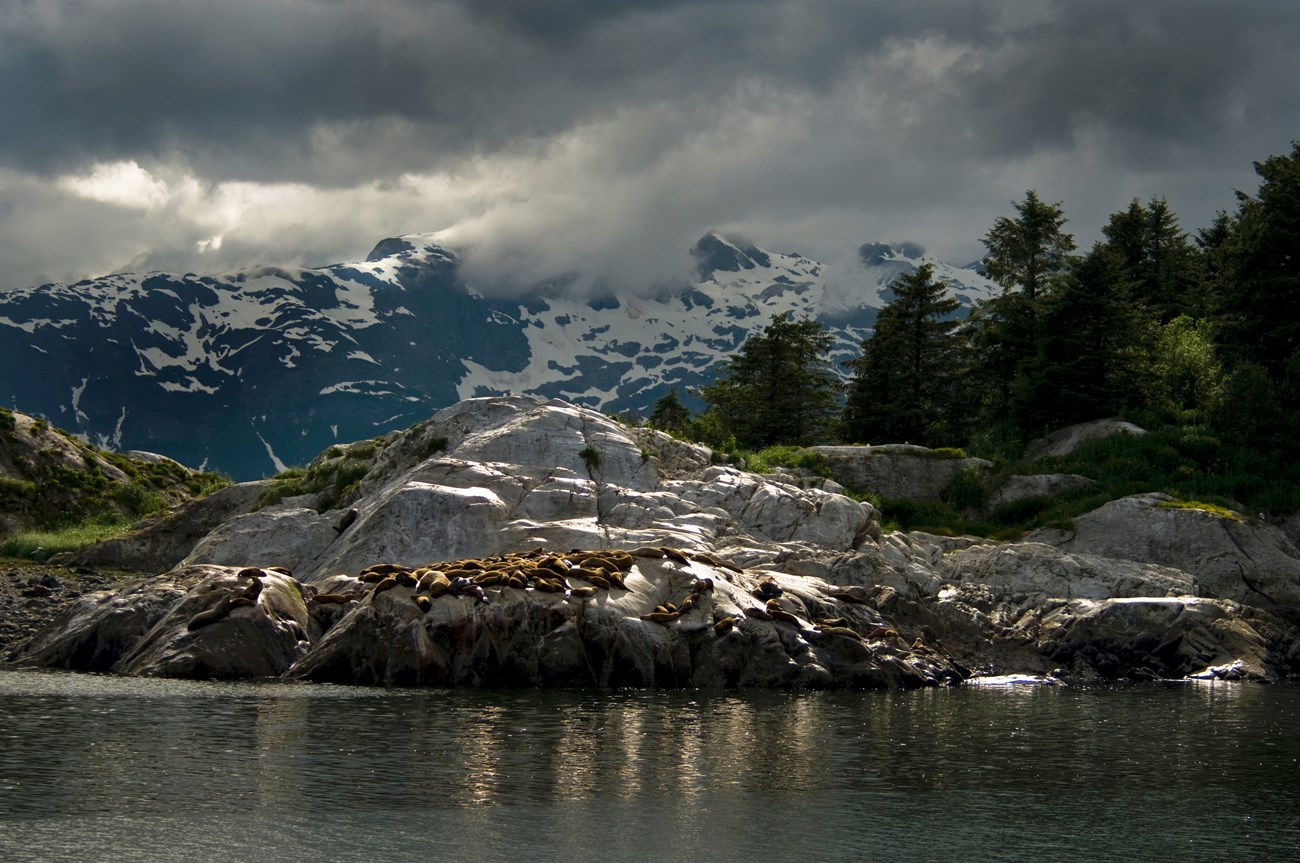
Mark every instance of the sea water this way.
pixel 114 769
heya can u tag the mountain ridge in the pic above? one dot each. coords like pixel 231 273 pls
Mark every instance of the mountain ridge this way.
pixel 253 370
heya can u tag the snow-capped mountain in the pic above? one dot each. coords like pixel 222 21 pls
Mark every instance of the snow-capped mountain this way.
pixel 254 370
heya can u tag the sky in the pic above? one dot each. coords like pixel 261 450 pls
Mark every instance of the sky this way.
pixel 603 137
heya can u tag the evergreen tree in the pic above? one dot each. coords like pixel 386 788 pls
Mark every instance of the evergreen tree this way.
pixel 1093 356
pixel 1260 300
pixel 1157 258
pixel 1029 256
pixel 902 384
pixel 670 415
pixel 780 388
pixel 1030 252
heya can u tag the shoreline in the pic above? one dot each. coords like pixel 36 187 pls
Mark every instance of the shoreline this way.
pixel 32 594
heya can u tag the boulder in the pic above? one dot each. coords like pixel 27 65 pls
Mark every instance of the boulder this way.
pixel 897 471
pixel 1018 488
pixel 511 474
pixel 1067 440
pixel 1231 557
pixel 159 543
pixel 514 637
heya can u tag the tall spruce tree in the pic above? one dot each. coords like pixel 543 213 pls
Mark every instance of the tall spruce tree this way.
pixel 779 389
pixel 902 384
pixel 1157 258
pixel 1029 256
pixel 1259 311
pixel 1093 354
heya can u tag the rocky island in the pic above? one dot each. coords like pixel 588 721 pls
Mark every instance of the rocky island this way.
pixel 514 541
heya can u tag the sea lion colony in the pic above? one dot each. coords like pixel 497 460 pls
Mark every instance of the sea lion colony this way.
pixel 577 574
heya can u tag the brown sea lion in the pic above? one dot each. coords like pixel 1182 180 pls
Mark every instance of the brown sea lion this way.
pixel 675 554
pixel 331 598
pixel 757 613
pixel 210 616
pixel 841 631
pixel 725 625
pixel 661 617
pixel 387 584
pixel 424 602
pixel 854 594
pixel 383 568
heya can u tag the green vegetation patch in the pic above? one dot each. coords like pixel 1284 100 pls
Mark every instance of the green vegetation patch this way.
pixel 794 457
pixel 44 544
pixel 331 481
pixel 1211 508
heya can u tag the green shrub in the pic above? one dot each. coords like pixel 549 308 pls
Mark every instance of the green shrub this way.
pixel 799 458
pixel 591 456
pixel 966 491
pixel 950 452
pixel 7 421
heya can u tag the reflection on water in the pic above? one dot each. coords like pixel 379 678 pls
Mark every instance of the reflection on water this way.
pixel 100 768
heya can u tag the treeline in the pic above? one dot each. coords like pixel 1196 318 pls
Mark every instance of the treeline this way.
pixel 1168 328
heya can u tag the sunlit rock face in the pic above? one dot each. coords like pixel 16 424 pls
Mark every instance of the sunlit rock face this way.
pixel 522 473
pixel 516 541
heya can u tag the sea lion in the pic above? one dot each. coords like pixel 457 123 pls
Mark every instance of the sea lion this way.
pixel 767 590
pixel 664 617
pixel 723 626
pixel 283 570
pixel 242 602
pixel 591 577
pixel 582 592
pixel 210 616
pixel 687 604
pixel 621 560
pixel 832 621
pixel 387 584
pixel 675 554
pixel 716 562
pixel 841 631
pixel 382 569
pixel 424 602
pixel 854 594
pixel 758 613
pixel 779 613
pixel 331 598
pixel 651 551
pixel 702 585
pixel 253 590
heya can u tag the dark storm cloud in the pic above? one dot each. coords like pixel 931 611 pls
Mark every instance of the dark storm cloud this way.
pixel 265 88
pixel 553 135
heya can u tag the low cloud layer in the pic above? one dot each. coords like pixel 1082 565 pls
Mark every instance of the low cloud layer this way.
pixel 602 138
